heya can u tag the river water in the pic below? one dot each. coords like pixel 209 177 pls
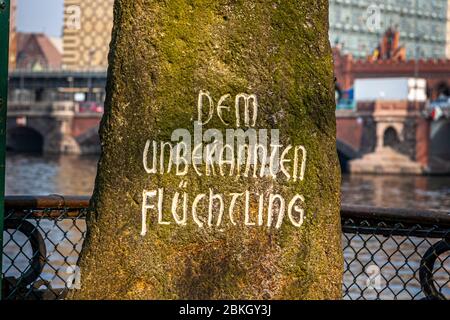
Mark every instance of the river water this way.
pixel 396 258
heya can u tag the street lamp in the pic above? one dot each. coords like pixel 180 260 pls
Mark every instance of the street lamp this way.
pixel 91 55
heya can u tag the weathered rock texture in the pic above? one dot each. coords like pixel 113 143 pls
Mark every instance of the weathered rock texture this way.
pixel 162 54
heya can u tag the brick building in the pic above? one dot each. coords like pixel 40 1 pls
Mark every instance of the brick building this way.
pixel 36 52
pixel 436 72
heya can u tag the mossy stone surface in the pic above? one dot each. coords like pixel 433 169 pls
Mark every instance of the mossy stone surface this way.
pixel 163 53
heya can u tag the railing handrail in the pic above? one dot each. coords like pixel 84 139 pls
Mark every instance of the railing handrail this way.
pixel 410 216
pixel 57 72
pixel 46 202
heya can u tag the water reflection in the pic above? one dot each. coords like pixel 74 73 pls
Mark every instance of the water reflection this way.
pixel 419 192
pixel 43 175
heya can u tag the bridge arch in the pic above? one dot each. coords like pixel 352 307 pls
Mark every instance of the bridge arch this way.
pixel 24 139
pixel 345 154
pixel 337 92
pixel 391 137
pixel 89 142
pixel 440 142
pixel 442 89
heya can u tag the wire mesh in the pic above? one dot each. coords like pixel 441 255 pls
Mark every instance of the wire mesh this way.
pixel 62 237
pixel 387 266
pixel 384 259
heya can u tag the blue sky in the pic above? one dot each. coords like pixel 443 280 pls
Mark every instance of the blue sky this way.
pixel 40 16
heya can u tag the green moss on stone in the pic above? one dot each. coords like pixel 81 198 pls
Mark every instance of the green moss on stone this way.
pixel 162 54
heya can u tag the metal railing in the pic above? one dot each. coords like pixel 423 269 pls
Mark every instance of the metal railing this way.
pixel 29 108
pixel 389 253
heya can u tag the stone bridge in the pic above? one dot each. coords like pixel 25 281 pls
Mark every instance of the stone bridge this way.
pixel 393 137
pixel 52 127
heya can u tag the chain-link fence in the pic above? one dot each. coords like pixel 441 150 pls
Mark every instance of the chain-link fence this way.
pixel 396 254
pixel 41 243
pixel 389 254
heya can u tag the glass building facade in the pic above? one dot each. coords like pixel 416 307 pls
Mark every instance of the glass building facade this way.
pixel 357 26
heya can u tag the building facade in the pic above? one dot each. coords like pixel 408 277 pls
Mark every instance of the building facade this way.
pixel 12 35
pixel 87 33
pixel 448 32
pixel 435 72
pixel 356 26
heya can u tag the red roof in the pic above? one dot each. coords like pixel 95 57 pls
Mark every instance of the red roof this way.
pixel 38 47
